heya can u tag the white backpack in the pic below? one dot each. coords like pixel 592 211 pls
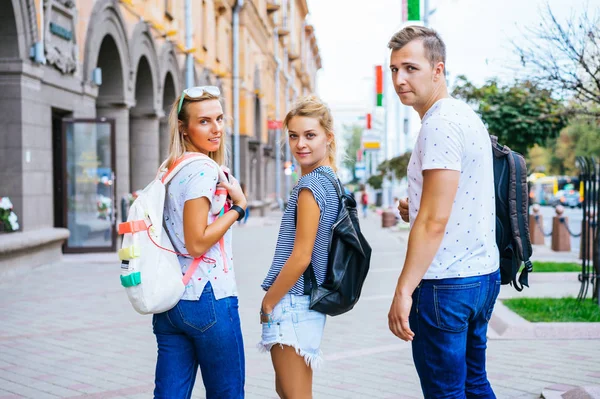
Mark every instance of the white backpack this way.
pixel 150 269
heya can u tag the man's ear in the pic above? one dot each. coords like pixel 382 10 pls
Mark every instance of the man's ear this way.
pixel 439 71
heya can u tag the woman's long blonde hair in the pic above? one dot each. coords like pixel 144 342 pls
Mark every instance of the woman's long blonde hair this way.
pixel 312 107
pixel 178 143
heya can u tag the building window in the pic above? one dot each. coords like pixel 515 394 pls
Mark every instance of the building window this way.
pixel 169 9
pixel 204 26
pixel 218 38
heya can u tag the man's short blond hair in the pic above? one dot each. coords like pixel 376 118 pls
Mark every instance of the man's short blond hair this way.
pixel 435 49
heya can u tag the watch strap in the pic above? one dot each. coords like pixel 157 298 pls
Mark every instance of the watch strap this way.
pixel 239 210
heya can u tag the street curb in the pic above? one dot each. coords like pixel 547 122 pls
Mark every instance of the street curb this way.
pixel 506 324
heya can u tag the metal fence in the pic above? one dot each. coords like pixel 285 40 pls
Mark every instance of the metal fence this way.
pixel 589 173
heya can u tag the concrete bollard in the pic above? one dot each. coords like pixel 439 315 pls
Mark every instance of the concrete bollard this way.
pixel 590 235
pixel 388 219
pixel 561 239
pixel 536 227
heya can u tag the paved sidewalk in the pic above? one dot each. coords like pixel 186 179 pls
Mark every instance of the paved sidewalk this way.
pixel 67 330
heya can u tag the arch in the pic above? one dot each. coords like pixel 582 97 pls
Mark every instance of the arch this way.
pixel 107 21
pixel 109 61
pixel 170 74
pixel 143 53
pixel 145 93
pixel 169 94
pixel 19 28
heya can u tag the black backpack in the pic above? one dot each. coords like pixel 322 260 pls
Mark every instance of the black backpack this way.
pixel 512 215
pixel 348 262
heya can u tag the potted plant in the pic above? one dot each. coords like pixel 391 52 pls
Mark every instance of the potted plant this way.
pixel 8 219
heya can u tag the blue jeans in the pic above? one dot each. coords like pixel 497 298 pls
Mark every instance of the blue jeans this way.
pixel 450 318
pixel 203 333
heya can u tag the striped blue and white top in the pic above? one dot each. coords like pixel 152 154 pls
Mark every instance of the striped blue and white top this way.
pixel 327 198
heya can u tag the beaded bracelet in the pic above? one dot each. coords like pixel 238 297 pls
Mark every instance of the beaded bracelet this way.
pixel 269 317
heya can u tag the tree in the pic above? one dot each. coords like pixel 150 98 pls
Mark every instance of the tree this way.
pixel 565 57
pixel 520 115
pixel 580 138
pixel 396 165
pixel 375 181
pixel 352 136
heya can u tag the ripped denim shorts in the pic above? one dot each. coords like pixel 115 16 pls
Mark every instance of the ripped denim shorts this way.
pixel 294 324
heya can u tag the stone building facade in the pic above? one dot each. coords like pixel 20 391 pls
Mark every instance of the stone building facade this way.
pixel 86 88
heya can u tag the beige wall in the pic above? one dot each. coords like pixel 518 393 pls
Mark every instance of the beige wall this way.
pixel 212 49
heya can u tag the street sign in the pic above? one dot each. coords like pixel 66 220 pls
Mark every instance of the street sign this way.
pixel 371 145
pixel 360 170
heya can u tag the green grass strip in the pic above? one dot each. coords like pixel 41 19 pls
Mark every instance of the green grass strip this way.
pixel 556 267
pixel 555 309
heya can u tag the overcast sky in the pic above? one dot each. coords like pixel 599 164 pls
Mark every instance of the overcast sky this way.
pixel 352 36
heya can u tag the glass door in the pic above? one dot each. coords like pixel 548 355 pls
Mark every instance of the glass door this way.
pixel 89 184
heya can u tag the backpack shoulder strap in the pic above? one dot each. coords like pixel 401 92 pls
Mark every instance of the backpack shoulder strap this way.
pixel 167 174
pixel 522 222
pixel 310 280
pixel 335 181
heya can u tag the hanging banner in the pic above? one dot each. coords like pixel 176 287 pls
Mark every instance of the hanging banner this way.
pixel 273 124
pixel 379 85
pixel 411 10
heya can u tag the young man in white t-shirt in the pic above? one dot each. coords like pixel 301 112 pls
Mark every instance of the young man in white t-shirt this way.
pixel 450 280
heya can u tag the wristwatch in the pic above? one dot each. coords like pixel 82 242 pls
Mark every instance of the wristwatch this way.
pixel 239 210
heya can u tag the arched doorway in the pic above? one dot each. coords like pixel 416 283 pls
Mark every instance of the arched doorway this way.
pixel 169 95
pixel 109 63
pixel 9 45
pixel 106 49
pixel 11 110
pixel 145 114
pixel 143 128
pixel 111 104
pixel 13 34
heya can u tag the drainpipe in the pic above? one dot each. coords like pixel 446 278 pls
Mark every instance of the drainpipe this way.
pixel 278 133
pixel 189 43
pixel 236 87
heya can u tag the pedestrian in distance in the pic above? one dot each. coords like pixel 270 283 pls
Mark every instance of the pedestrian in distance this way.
pixel 203 329
pixel 292 332
pixel 450 280
pixel 364 201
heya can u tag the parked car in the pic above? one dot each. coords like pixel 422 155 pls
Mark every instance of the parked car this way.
pixel 570 198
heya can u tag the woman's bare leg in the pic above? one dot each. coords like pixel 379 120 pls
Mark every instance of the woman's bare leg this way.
pixel 293 377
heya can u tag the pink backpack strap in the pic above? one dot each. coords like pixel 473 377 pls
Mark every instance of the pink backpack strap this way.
pixel 223 255
pixel 178 162
pixel 190 271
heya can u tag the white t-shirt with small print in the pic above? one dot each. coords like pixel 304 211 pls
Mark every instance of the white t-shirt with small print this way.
pixel 195 180
pixel 453 137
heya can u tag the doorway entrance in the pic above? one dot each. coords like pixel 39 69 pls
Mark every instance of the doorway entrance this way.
pixel 88 184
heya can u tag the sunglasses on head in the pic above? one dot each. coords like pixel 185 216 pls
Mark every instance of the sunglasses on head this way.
pixel 196 92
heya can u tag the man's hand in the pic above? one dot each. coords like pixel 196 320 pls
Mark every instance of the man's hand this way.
pixel 398 317
pixel 403 208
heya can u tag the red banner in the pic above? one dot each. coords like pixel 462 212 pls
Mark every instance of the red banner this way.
pixel 273 124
